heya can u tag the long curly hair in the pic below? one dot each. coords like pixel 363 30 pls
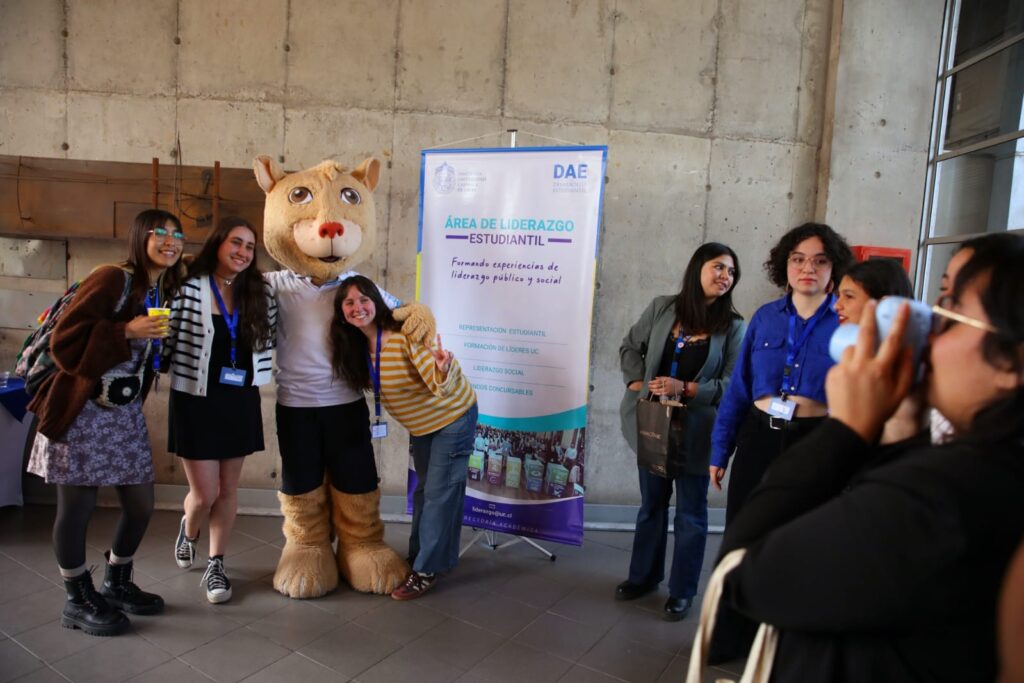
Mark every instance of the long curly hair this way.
pixel 836 248
pixel 249 288
pixel 349 346
pixel 692 310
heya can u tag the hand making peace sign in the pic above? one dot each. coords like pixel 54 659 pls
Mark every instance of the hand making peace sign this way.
pixel 442 358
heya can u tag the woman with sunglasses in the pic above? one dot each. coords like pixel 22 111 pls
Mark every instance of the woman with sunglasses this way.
pixel 219 352
pixel 885 562
pixel 91 430
pixel 777 391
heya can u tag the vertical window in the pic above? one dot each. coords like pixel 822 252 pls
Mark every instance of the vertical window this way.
pixel 976 158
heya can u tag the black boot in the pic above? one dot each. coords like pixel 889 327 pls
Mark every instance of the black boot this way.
pixel 86 609
pixel 120 592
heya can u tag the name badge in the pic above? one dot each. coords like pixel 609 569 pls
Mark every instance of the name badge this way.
pixel 378 430
pixel 235 378
pixel 782 408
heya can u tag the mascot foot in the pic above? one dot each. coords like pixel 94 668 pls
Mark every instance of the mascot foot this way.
pixel 372 569
pixel 366 562
pixel 307 568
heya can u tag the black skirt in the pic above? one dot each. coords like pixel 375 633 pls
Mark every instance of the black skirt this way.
pixel 228 421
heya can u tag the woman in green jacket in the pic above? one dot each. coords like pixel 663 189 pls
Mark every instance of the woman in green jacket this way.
pixel 682 347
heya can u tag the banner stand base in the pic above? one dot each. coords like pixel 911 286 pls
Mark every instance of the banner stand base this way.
pixel 493 545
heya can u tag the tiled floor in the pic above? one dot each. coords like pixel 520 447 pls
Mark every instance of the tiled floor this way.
pixel 507 615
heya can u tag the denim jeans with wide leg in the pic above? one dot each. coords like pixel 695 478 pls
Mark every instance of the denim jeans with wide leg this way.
pixel 442 460
pixel 647 565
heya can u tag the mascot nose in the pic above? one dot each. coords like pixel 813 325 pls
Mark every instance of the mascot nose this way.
pixel 331 230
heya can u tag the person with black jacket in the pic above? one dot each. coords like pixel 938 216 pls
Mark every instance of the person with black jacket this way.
pixel 884 562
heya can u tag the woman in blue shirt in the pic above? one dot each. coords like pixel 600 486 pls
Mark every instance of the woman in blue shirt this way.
pixel 777 392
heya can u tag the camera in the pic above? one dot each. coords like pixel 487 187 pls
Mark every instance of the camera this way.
pixel 919 327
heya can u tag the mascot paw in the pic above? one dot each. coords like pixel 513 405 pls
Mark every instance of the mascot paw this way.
pixel 418 324
pixel 306 571
pixel 372 568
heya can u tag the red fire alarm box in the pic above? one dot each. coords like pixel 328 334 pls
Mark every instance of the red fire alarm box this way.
pixel 866 252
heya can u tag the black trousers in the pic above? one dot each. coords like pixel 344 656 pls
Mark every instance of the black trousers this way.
pixel 757 446
pixel 333 439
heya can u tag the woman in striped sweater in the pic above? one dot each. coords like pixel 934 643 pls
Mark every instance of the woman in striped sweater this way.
pixel 425 390
pixel 218 354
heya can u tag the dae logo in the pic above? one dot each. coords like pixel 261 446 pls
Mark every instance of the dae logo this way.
pixel 444 178
pixel 570 172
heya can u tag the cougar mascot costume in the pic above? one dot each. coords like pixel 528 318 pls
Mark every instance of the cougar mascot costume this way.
pixel 319 223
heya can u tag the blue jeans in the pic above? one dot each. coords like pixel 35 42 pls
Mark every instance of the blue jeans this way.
pixel 647 564
pixel 442 460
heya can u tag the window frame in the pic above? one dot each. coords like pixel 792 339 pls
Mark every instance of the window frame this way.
pixel 944 73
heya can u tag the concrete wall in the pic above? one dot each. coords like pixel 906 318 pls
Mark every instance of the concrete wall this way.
pixel 884 101
pixel 712 111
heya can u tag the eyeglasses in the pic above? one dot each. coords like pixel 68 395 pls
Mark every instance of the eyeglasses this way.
pixel 819 262
pixel 162 232
pixel 944 318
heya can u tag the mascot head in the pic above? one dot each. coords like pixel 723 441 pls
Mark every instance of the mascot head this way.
pixel 321 221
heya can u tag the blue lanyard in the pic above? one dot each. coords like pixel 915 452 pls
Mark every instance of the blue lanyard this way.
pixel 681 341
pixel 375 375
pixel 231 322
pixel 153 301
pixel 797 343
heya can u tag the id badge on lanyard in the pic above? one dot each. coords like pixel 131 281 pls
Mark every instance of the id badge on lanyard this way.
pixel 379 428
pixel 231 376
pixel 782 406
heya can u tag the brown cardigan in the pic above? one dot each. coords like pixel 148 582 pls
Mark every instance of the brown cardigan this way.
pixel 87 341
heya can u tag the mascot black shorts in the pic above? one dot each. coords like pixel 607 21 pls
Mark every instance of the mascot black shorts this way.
pixel 333 439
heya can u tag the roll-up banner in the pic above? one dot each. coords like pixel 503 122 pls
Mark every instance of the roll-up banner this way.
pixel 506 259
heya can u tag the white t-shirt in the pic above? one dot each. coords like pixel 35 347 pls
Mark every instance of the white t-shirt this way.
pixel 304 375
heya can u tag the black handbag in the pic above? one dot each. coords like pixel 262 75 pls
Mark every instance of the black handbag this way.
pixel 660 434
pixel 119 389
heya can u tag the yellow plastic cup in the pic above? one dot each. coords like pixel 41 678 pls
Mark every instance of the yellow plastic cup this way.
pixel 164 313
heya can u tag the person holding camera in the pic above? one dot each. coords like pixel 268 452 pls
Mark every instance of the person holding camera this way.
pixel 683 347
pixel 884 562
pixel 91 429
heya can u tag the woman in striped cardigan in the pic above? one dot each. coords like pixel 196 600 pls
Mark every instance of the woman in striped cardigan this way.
pixel 425 390
pixel 218 354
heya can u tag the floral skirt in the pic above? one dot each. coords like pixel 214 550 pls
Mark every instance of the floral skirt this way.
pixel 102 447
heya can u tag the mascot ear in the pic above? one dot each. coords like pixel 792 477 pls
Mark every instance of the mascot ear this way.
pixel 368 173
pixel 268 173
